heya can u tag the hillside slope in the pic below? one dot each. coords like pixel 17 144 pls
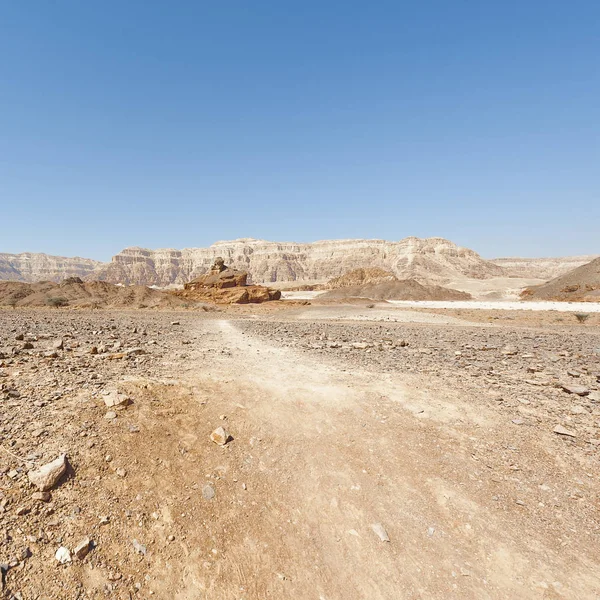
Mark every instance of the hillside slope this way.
pixel 580 284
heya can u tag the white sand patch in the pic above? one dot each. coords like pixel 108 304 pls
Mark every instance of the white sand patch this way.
pixel 584 307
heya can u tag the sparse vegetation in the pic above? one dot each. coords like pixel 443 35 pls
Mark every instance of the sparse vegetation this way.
pixel 57 302
pixel 582 317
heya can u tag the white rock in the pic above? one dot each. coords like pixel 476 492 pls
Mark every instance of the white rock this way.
pixel 220 436
pixel 379 529
pixel 564 431
pixel 63 555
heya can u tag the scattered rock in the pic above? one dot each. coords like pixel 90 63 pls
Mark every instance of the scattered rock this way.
pixel 575 389
pixel 114 398
pixel 80 551
pixel 380 531
pixel 41 496
pixel 220 436
pixel 139 548
pixel 63 555
pixel 564 431
pixel 208 492
pixel 48 476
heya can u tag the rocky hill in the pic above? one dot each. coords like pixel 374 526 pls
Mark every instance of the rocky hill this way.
pixel 582 283
pixel 31 266
pixel 541 268
pixel 378 284
pixel 93 294
pixel 429 260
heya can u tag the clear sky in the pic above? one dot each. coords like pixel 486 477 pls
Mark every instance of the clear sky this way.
pixel 177 124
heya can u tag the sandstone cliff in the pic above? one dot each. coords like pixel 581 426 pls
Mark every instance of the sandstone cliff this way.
pixel 541 268
pixel 31 266
pixel 428 260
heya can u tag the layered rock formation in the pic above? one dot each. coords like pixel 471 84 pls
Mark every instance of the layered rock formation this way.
pixel 226 286
pixel 541 268
pixel 432 259
pixel 31 266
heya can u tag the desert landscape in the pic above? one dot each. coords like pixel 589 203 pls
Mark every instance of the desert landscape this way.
pixel 268 422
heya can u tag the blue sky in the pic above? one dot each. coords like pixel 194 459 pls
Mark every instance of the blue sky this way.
pixel 177 124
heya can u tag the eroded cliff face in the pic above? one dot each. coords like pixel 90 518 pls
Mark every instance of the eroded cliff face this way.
pixel 428 260
pixel 542 268
pixel 32 266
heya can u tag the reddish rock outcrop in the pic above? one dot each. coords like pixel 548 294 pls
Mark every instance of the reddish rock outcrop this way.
pixel 226 286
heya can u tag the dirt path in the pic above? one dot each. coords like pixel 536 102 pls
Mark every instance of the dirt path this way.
pixel 320 455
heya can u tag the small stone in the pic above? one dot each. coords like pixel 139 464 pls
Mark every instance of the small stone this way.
pixel 208 492
pixel 564 431
pixel 575 389
pixel 22 510
pixel 380 531
pixel 108 458
pixel 171 538
pixel 594 396
pixel 104 520
pixel 121 472
pixel 509 350
pixel 58 345
pixel 46 477
pixel 139 548
pixel 220 436
pixel 41 496
pixel 110 415
pixel 80 551
pixel 114 398
pixel 63 555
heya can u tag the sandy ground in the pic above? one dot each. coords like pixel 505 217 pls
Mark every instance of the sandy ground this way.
pixel 328 455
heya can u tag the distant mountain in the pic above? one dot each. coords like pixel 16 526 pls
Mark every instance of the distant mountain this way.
pixel 427 260
pixel 430 260
pixel 541 268
pixel 31 266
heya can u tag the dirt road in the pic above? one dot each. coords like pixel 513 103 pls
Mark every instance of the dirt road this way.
pixel 341 435
pixel 319 456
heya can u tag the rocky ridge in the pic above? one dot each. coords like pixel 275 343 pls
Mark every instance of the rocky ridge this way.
pixel 32 266
pixel 580 284
pixel 428 260
pixel 541 268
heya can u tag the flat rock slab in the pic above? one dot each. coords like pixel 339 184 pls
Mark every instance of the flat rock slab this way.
pixel 575 389
pixel 564 431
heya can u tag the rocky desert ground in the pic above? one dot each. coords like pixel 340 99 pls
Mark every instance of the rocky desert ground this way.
pixel 299 451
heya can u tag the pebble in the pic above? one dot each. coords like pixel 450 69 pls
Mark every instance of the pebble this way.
pixel 380 531
pixel 139 548
pixel 564 431
pixel 63 555
pixel 220 436
pixel 80 551
pixel 41 496
pixel 208 492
